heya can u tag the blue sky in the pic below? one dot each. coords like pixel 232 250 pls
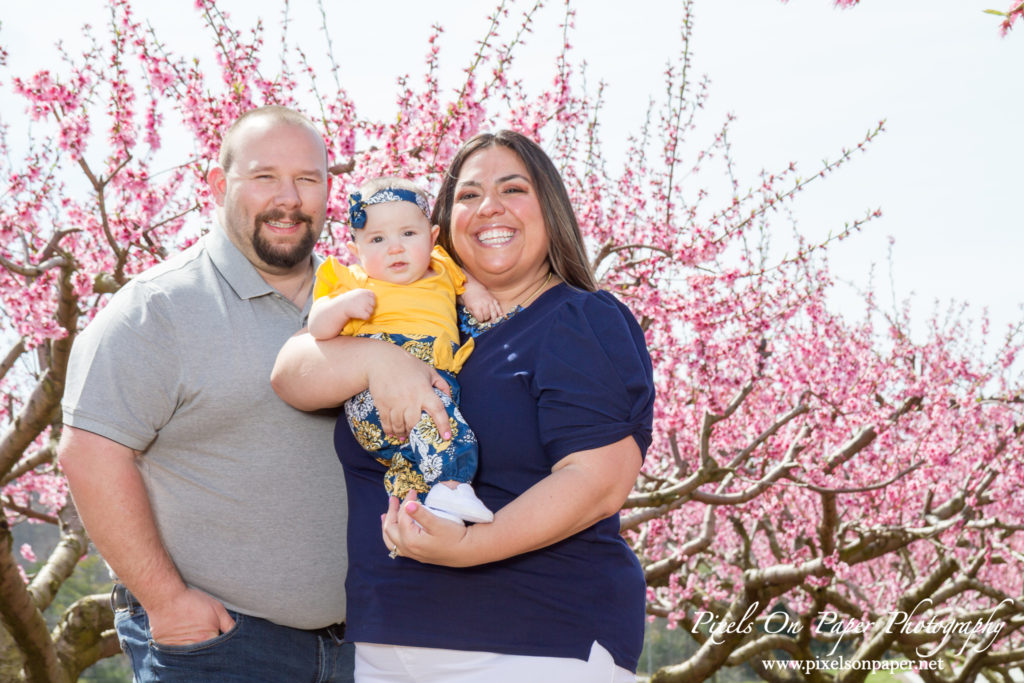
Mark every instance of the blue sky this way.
pixel 803 80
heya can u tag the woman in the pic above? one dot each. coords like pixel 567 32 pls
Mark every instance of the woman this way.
pixel 560 395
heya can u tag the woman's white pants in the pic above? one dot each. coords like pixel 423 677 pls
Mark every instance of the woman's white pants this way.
pixel 393 664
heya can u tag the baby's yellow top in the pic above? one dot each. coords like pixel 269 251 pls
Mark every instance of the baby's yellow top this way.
pixel 425 307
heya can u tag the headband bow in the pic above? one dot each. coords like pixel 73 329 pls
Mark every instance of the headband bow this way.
pixel 357 206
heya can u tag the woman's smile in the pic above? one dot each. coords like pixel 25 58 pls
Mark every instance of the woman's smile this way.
pixel 495 237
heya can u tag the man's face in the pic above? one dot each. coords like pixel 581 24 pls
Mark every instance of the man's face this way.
pixel 273 198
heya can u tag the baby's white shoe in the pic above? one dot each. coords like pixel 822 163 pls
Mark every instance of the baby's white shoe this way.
pixel 460 502
pixel 443 515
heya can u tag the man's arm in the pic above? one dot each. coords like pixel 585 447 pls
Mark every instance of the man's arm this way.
pixel 112 501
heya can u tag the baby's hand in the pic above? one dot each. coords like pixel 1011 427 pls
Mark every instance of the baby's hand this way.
pixel 359 303
pixel 330 314
pixel 481 304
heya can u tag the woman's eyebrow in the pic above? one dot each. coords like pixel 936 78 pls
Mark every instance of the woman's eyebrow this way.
pixel 503 179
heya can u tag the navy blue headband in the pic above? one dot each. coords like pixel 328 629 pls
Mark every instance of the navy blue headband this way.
pixel 357 206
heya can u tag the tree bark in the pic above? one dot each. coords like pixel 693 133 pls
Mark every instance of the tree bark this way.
pixel 86 635
pixel 24 621
pixel 73 545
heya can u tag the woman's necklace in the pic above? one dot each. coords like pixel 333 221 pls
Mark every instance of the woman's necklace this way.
pixel 469 325
pixel 525 302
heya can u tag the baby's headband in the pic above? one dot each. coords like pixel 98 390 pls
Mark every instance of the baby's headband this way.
pixel 357 205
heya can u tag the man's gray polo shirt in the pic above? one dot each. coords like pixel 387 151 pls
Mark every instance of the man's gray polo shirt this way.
pixel 247 492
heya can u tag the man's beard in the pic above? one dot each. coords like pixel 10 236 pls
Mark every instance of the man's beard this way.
pixel 283 257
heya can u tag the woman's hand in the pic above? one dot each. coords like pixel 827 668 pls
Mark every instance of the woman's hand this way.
pixel 410 530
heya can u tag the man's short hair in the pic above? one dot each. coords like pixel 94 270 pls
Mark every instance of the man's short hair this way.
pixel 274 112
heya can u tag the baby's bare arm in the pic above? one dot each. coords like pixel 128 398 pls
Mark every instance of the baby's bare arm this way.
pixel 479 300
pixel 329 314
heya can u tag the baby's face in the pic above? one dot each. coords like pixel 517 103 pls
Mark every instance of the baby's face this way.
pixel 395 243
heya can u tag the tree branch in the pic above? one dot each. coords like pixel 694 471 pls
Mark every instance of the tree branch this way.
pixel 28 512
pixel 867 487
pixel 850 449
pixel 62 561
pixel 85 634
pixel 39 411
pixel 741 457
pixel 12 357
pixel 23 620
pixel 43 456
pixel 881 639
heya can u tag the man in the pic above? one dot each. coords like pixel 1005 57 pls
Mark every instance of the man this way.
pixel 221 510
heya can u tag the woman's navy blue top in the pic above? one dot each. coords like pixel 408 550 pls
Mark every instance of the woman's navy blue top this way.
pixel 569 373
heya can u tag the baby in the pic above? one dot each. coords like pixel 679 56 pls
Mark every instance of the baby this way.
pixel 404 291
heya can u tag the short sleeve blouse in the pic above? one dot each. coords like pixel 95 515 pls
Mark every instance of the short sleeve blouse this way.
pixel 569 373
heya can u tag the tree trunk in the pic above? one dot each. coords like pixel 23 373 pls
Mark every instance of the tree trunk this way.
pixel 23 620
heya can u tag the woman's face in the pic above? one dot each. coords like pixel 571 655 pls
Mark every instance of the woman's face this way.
pixel 497 226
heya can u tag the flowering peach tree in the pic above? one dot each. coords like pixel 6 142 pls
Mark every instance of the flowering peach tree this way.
pixel 820 484
pixel 1009 17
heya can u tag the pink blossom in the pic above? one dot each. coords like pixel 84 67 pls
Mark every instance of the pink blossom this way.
pixel 26 552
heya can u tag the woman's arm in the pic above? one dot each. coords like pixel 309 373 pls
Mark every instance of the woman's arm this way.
pixel 311 375
pixel 582 489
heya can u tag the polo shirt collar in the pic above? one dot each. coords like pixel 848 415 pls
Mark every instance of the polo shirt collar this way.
pixel 235 268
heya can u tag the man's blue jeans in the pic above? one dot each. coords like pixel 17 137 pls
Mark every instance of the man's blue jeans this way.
pixel 255 650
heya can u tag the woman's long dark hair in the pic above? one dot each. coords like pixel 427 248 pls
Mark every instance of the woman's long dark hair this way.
pixel 566 253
